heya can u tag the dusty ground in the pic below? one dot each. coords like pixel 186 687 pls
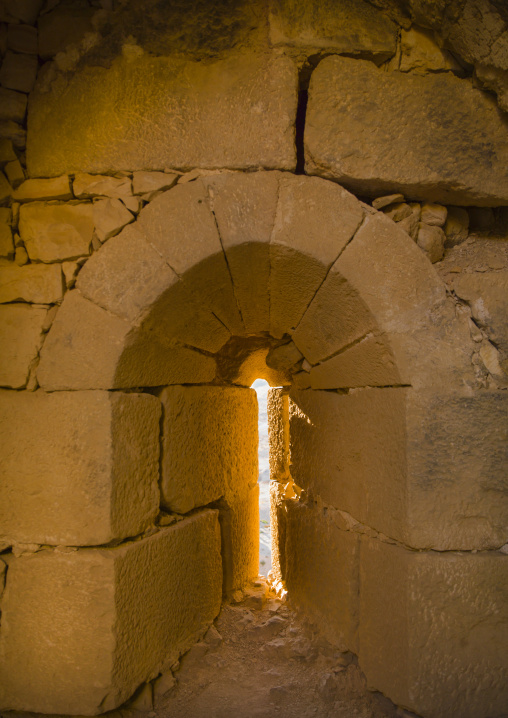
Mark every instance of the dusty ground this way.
pixel 260 661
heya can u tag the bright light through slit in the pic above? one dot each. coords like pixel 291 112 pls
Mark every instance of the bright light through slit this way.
pixel 265 547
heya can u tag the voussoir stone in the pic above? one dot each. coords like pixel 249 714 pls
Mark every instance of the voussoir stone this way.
pixel 36 283
pixel 54 493
pixel 348 26
pixel 149 113
pixel 382 146
pixel 125 614
pixel 56 232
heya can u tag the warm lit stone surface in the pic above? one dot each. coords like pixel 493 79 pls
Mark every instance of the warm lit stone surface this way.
pixel 278 433
pixel 21 329
pixel 315 220
pixel 54 232
pixel 90 348
pixel 6 243
pixel 86 185
pixel 90 626
pixel 37 283
pixel 209 445
pixel 352 27
pixel 41 189
pixel 424 468
pixel 322 571
pixel 244 207
pixel 147 112
pixel 278 530
pixel 434 629
pixel 239 522
pixel 375 147
pixel 79 468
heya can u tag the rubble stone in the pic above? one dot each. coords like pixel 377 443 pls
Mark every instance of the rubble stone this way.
pixel 433 214
pixel 419 53
pixel 12 105
pixel 18 72
pixel 55 232
pixel 88 186
pixel 15 174
pixel 22 38
pixel 110 216
pixel 456 226
pixel 43 189
pixel 431 239
pixel 36 283
pixel 21 328
pixel 143 182
pixel 6 243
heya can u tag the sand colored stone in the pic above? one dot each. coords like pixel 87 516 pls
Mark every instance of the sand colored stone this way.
pixel 43 189
pixel 87 186
pixel 315 220
pixel 278 513
pixel 278 433
pixel 347 26
pixel 37 283
pixel 12 105
pixel 79 468
pixel 56 232
pixel 110 216
pixel 322 571
pixel 6 243
pixel 419 53
pixel 128 358
pixel 239 522
pixel 377 147
pixel 21 334
pixel 209 445
pixel 430 623
pixel 125 614
pixel 143 182
pixel 149 113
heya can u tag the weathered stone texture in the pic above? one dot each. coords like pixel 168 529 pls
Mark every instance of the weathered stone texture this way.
pixel 21 333
pixel 78 468
pixel 322 572
pixel 86 186
pixel 351 27
pixel 434 629
pixel 110 216
pixel 6 243
pixel 278 433
pixel 432 137
pixel 12 105
pixel 54 232
pixel 156 112
pixel 90 626
pixel 239 522
pixel 37 283
pixel 41 189
pixel 209 445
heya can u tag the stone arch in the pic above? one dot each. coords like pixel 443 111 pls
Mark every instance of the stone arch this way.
pixel 277 258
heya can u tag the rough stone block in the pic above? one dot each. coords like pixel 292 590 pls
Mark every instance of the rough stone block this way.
pixel 183 212
pixel 147 182
pixel 104 119
pixel 322 571
pixel 210 441
pixel 79 468
pixel 21 334
pixel 37 283
pixel 56 232
pixel 6 243
pixel 12 105
pixel 278 433
pixel 419 53
pixel 22 38
pixel 352 27
pixel 110 216
pixel 5 189
pixel 88 186
pixel 41 189
pixel 7 153
pixel 239 522
pixel 379 147
pixel 122 616
pixel 18 72
pixel 425 468
pixel 244 207
pixel 434 629
pixel 89 348
pixel 315 220
pixel 15 174
pixel 368 363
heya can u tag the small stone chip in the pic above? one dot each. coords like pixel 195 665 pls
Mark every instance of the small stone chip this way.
pixel 381 202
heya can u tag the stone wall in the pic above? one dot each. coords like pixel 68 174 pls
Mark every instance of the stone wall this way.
pixel 162 244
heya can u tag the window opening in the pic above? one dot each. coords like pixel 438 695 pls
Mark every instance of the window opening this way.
pixel 265 540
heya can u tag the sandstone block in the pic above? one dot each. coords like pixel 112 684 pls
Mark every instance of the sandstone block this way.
pixel 13 133
pixel 184 212
pixel 322 572
pixel 381 202
pixel 431 240
pixel 370 362
pixel 371 148
pixel 244 207
pixel 15 174
pixel 110 216
pixel 88 186
pixel 89 348
pixel 239 522
pixel 353 28
pixel 18 72
pixel 55 232
pixel 124 615
pixel 12 105
pixel 6 243
pixel 209 445
pixel 79 468
pixel 284 357
pixel 487 295
pixel 41 189
pixel 5 189
pixel 419 53
pixel 456 227
pixel 37 283
pixel 431 622
pixel 22 38
pixel 7 153
pixel 315 220
pixel 278 530
pixel 433 214
pixel 143 182
pixel 21 329
pixel 278 433
pixel 398 211
pixel 105 108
